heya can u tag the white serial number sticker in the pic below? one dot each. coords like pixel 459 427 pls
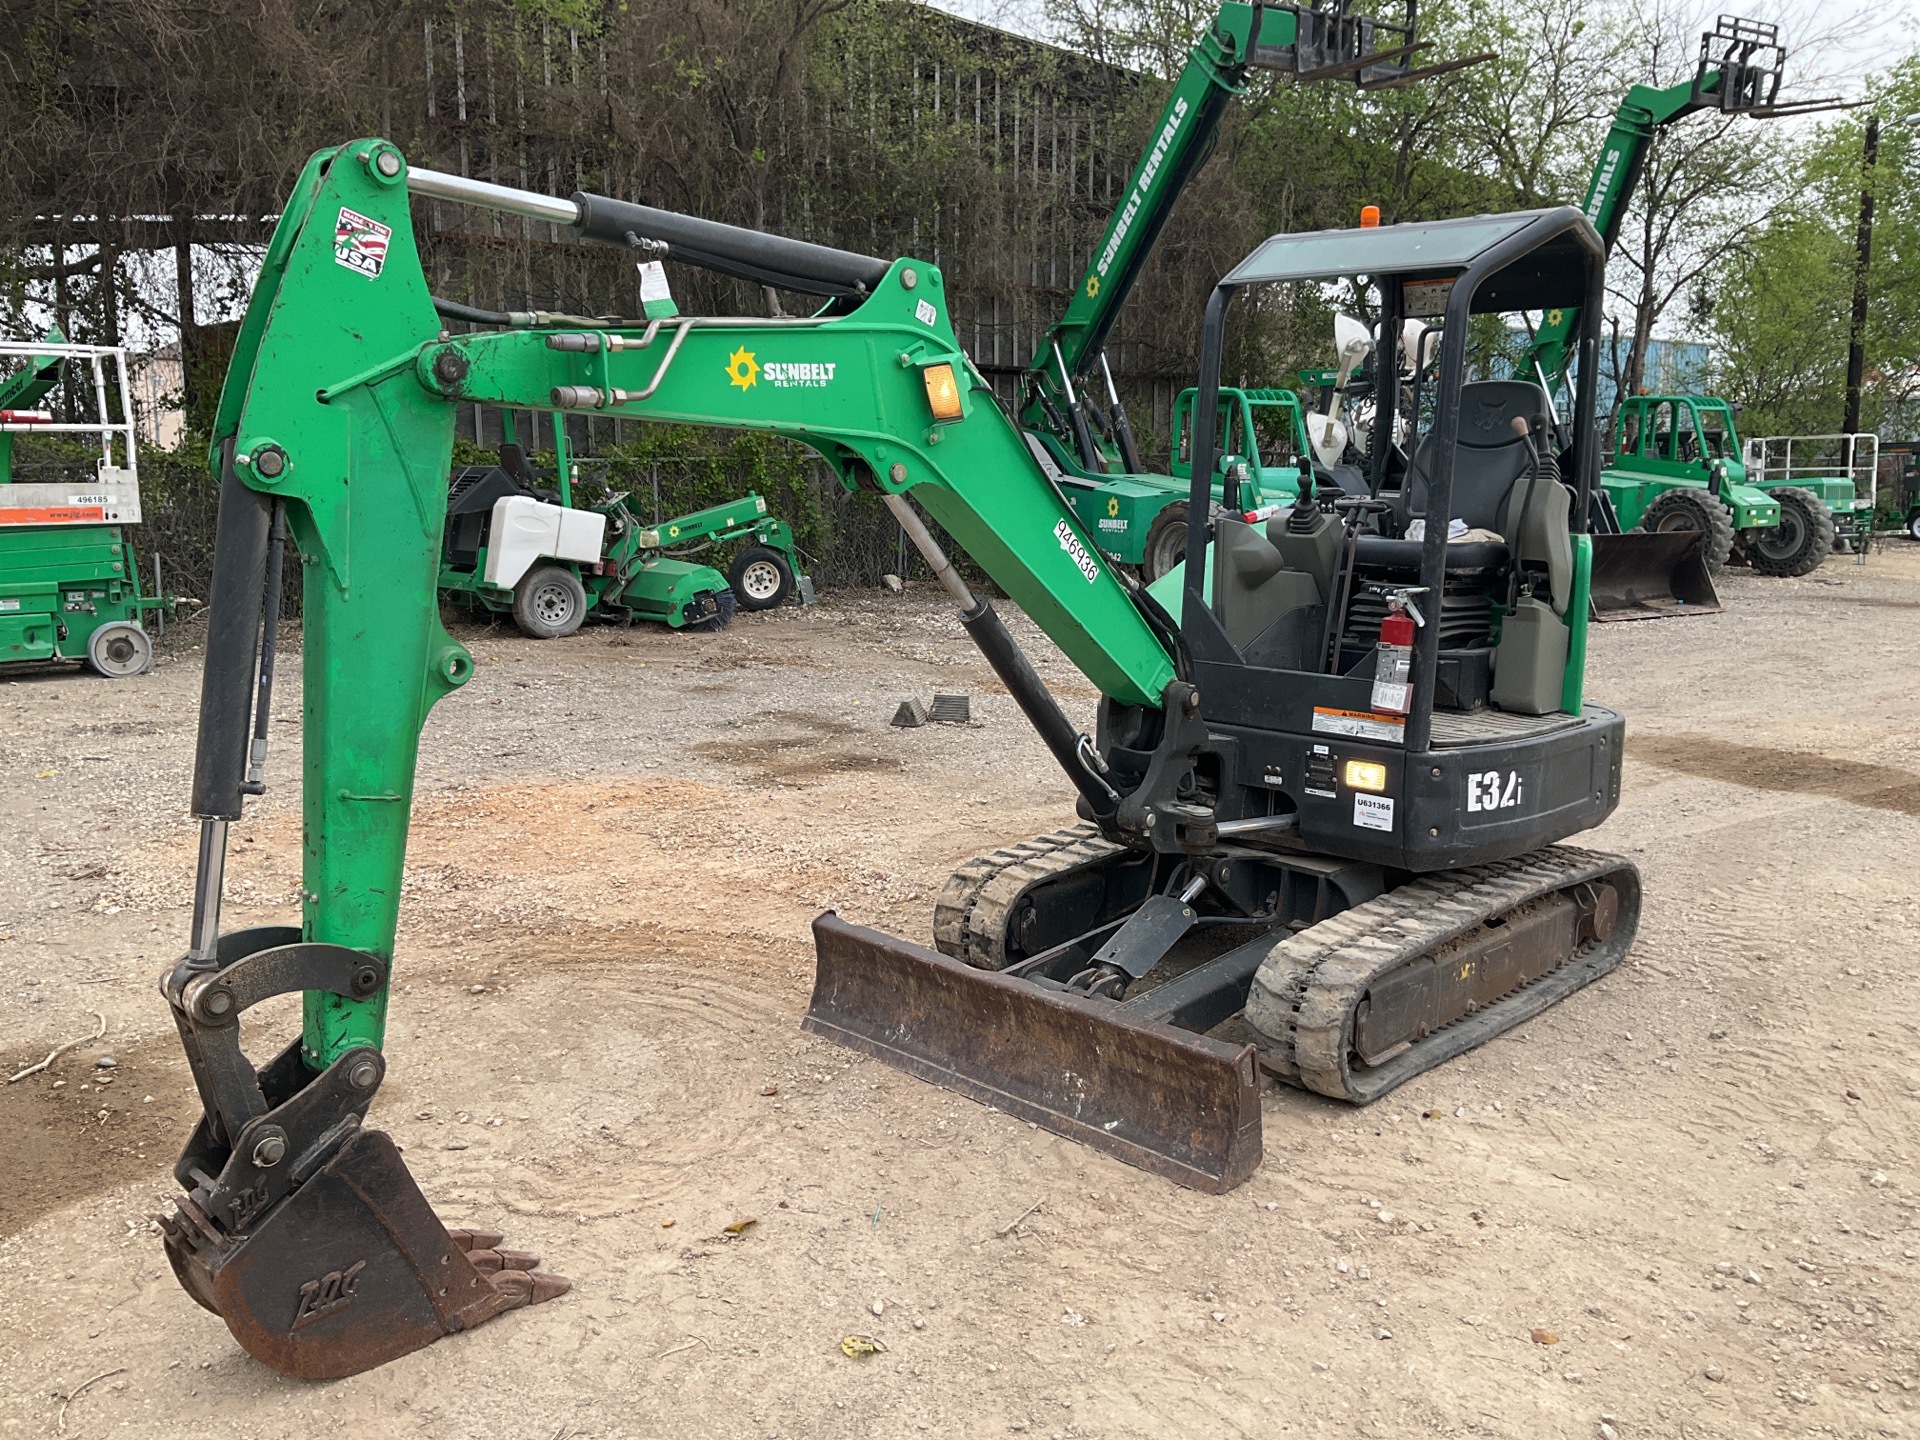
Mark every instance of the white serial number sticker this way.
pixel 1373 812
pixel 1494 790
pixel 1076 552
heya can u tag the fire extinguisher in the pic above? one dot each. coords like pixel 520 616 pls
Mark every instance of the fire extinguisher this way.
pixel 1393 657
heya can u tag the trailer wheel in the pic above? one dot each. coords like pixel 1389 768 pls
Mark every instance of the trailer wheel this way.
pixel 549 603
pixel 1166 543
pixel 1690 509
pixel 1802 539
pixel 1913 525
pixel 761 578
pixel 119 650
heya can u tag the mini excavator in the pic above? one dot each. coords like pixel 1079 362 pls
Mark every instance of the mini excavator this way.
pixel 1319 817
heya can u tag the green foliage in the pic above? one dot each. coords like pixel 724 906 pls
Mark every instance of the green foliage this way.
pixel 581 15
pixel 1782 313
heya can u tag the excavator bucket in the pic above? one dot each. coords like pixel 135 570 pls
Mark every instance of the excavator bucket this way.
pixel 300 1227
pixel 1182 1105
pixel 353 1269
pixel 1652 576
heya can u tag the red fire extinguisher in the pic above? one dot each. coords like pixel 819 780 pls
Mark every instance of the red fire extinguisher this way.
pixel 1393 658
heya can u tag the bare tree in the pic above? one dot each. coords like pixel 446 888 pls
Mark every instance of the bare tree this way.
pixel 1533 116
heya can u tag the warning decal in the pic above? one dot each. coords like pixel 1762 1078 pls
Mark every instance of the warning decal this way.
pixel 360 244
pixel 1360 724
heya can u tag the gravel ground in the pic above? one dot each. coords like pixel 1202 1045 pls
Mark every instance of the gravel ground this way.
pixel 1697 1177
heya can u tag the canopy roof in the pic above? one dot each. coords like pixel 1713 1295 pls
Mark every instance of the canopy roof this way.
pixel 1546 255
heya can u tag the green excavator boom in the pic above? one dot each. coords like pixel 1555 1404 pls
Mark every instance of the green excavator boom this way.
pixel 335 431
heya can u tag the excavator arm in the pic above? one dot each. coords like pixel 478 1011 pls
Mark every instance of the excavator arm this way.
pixel 299 1226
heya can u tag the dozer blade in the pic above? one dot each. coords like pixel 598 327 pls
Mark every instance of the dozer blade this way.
pixel 1651 576
pixel 350 1270
pixel 1181 1105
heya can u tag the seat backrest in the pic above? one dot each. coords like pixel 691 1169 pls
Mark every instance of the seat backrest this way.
pixel 1489 456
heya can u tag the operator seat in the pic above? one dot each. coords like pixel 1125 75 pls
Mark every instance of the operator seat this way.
pixel 1493 489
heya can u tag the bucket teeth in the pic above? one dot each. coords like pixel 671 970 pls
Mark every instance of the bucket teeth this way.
pixel 476 1239
pixel 529 1287
pixel 493 1261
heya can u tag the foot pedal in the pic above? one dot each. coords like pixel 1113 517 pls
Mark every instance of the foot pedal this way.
pixel 350 1270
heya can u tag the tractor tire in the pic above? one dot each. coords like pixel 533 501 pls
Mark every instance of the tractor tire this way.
pixel 761 578
pixel 1800 542
pixel 119 650
pixel 549 603
pixel 1166 543
pixel 1690 509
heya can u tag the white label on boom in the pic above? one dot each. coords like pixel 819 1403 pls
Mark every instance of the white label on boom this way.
pixel 1076 552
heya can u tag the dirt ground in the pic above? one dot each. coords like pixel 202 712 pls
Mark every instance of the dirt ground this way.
pixel 1698 1177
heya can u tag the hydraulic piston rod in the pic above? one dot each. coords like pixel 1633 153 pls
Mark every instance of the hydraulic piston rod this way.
pixel 978 617
pixel 728 249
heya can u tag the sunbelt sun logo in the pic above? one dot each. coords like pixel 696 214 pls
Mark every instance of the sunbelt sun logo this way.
pixel 742 368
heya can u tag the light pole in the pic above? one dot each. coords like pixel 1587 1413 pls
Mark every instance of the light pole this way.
pixel 1863 253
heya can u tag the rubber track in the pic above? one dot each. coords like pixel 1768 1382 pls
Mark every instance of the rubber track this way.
pixel 970 917
pixel 1307 991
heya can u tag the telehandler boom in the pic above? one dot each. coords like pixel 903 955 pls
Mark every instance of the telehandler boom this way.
pixel 1347 761
pixel 1070 408
pixel 1681 516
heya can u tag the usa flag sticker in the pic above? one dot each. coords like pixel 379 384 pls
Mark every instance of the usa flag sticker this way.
pixel 360 244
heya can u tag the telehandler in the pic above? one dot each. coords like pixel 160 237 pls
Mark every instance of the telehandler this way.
pixel 1318 816
pixel 1070 407
pixel 1680 507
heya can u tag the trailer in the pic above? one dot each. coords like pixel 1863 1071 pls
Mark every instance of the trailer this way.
pixel 70 586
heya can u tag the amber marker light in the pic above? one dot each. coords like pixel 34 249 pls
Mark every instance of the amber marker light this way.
pixel 943 392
